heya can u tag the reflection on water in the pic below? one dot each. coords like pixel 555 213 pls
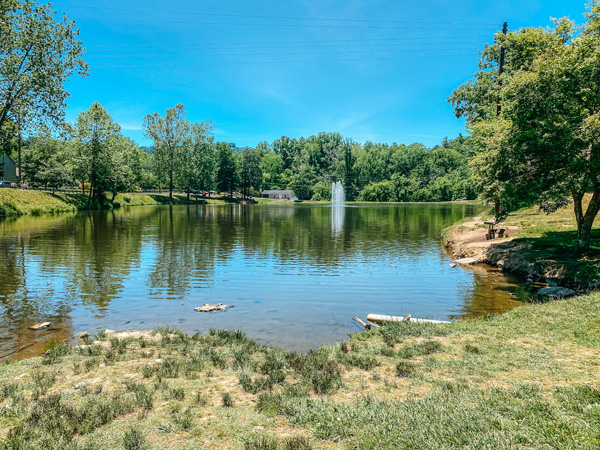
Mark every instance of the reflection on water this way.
pixel 295 273
pixel 337 219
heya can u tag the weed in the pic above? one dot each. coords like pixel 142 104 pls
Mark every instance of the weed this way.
pixel 169 368
pixel 241 356
pixel 9 390
pixel 217 359
pixel 395 332
pixel 405 369
pixel 469 348
pixel 357 360
pixel 261 443
pixel 101 335
pixel 184 421
pixel 200 399
pixel 148 370
pixel 275 360
pixel 54 350
pixel 144 398
pixel 420 349
pixel 118 345
pixel 177 393
pixel 296 443
pixel 134 439
pixel 322 372
pixel 227 400
pixel 269 404
pixel 90 364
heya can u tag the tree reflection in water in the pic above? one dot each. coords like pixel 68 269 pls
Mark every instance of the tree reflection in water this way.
pixel 287 268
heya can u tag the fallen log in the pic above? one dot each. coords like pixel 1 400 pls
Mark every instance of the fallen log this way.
pixel 379 318
pixel 366 325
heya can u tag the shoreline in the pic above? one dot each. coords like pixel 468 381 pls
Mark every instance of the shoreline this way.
pixel 528 369
pixel 536 246
pixel 16 203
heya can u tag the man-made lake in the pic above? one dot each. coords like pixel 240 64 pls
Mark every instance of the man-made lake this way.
pixel 296 274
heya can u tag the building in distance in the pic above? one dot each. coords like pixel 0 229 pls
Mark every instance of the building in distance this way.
pixel 286 194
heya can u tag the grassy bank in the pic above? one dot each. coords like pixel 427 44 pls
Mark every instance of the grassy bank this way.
pixel 527 379
pixel 21 202
pixel 538 244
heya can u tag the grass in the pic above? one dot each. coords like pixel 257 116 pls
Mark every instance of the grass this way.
pixel 21 202
pixel 527 379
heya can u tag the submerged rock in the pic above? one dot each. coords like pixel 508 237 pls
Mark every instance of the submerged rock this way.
pixel 556 292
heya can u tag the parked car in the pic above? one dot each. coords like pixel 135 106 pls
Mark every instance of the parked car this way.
pixel 5 183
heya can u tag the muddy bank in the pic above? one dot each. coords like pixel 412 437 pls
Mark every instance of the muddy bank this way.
pixel 520 253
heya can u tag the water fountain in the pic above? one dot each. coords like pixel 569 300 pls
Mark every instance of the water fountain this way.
pixel 337 194
pixel 337 204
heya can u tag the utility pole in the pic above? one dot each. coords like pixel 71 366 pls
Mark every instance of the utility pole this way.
pixel 501 67
pixel 498 102
pixel 19 176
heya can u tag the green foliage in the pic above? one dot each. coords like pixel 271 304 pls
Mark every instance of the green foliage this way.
pixel 169 134
pixel 38 53
pixel 197 162
pixel 98 155
pixel 227 175
pixel 134 439
pixel 250 173
pixel 536 128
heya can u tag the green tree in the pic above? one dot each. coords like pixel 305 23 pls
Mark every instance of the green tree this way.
pixel 47 161
pixel 227 175
pixel 545 144
pixel 271 165
pixel 37 55
pixel 251 173
pixel 554 133
pixel 198 160
pixel 126 166
pixel 169 134
pixel 96 138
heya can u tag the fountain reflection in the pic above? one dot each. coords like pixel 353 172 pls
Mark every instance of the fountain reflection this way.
pixel 337 205
pixel 279 265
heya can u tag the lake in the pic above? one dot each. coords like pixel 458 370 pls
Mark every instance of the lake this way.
pixel 296 274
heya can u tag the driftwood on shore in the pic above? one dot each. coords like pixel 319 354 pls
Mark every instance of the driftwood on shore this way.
pixel 379 318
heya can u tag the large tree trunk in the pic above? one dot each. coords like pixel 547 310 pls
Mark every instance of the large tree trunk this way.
pixel 585 221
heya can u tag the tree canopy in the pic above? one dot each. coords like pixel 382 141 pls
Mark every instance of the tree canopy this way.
pixel 545 144
pixel 37 55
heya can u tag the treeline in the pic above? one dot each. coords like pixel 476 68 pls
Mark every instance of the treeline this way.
pixel 93 155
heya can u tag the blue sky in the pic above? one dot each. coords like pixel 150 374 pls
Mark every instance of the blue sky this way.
pixel 370 70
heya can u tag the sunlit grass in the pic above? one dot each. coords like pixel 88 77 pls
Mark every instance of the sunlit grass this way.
pixel 529 378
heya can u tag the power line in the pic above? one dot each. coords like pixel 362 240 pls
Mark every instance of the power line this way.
pixel 383 44
pixel 197 13
pixel 137 66
pixel 280 53
pixel 189 22
pixel 287 42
